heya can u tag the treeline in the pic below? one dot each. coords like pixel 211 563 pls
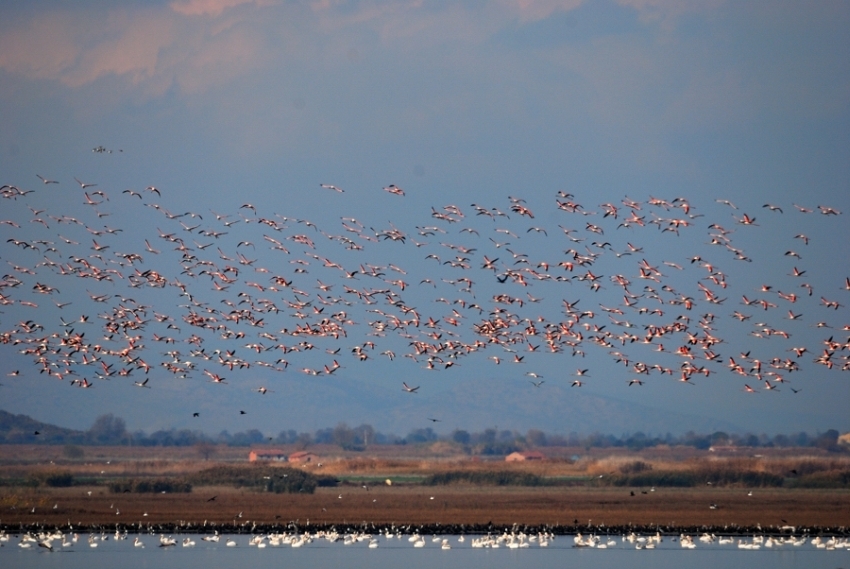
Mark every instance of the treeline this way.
pixel 253 477
pixel 741 473
pixel 486 478
pixel 263 478
pixel 111 430
pixel 793 473
pixel 718 476
pixel 159 486
pixel 277 480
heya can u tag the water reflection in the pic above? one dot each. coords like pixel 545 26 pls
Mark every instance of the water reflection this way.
pixel 330 549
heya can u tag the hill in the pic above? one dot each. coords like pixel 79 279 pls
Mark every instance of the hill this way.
pixel 22 429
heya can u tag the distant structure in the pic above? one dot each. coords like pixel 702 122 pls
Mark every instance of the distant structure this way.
pixel 727 449
pixel 267 454
pixel 303 456
pixel 524 455
pixel 844 439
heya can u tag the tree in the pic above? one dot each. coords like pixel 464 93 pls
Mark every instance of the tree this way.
pixel 206 449
pixel 345 437
pixel 719 438
pixel 461 436
pixel 751 440
pixel 828 441
pixel 536 437
pixel 287 437
pixel 108 430
pixel 782 441
pixel 248 438
pixel 421 436
pixel 365 434
pixel 488 436
pixel 638 441
pixel 506 436
pixel 303 440
pixel 323 436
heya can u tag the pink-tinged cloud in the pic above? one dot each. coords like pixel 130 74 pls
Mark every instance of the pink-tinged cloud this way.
pixel 132 51
pixel 148 48
pixel 233 52
pixel 43 48
pixel 209 7
pixel 76 49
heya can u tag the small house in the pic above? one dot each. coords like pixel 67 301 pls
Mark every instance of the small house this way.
pixel 267 454
pixel 303 456
pixel 524 455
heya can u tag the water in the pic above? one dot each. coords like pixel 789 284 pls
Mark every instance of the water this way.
pixel 394 553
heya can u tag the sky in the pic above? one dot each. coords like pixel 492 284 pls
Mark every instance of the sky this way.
pixel 663 105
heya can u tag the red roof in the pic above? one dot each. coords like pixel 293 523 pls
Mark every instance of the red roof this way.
pixel 533 454
pixel 301 453
pixel 526 455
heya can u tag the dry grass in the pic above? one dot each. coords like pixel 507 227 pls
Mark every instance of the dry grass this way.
pixel 779 465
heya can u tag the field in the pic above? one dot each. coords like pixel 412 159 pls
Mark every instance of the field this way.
pixel 575 489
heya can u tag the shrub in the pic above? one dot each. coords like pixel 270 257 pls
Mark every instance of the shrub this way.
pixel 158 486
pixel 675 479
pixel 806 467
pixel 828 479
pixel 327 481
pixel 291 484
pixel 73 451
pixel 59 480
pixel 121 487
pixel 635 467
pixel 749 478
pixel 497 448
pixel 270 479
pixel 497 478
pixel 51 479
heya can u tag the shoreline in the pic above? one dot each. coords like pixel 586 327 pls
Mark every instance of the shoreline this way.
pixel 182 528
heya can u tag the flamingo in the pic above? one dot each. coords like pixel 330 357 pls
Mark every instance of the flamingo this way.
pixel 84 185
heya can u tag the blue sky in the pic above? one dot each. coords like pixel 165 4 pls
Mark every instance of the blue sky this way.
pixel 222 102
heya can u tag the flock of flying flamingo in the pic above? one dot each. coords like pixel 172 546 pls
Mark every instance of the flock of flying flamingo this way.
pixel 214 297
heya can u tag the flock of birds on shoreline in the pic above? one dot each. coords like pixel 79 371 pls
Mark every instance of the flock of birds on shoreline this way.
pixel 506 540
pixel 207 296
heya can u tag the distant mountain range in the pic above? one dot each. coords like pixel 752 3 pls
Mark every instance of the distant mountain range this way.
pixel 469 405
pixel 480 404
pixel 19 429
pixel 472 405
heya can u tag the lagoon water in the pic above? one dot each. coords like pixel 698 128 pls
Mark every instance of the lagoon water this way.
pixel 394 553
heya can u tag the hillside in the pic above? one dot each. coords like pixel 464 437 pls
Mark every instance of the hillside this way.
pixel 19 429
